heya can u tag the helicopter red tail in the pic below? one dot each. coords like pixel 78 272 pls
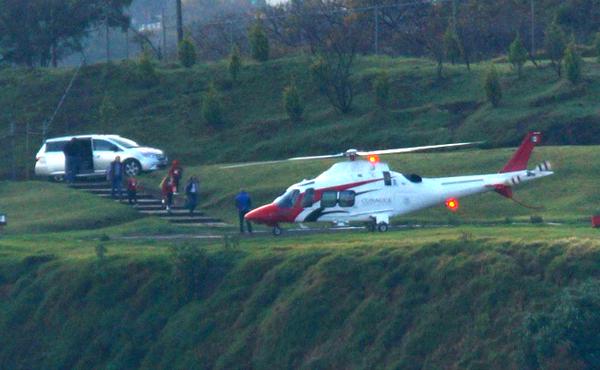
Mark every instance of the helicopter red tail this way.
pixel 521 157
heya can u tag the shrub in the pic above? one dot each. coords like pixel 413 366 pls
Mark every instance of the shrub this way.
pixel 535 219
pixel 187 53
pixel 100 250
pixel 381 88
pixel 452 45
pixel 573 64
pixel 294 106
pixel 493 89
pixel 259 43
pixel 146 72
pixel 517 54
pixel 211 107
pixel 332 75
pixel 555 44
pixel 235 63
pixel 190 266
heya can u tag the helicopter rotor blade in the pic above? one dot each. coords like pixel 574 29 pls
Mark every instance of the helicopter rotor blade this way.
pixel 327 156
pixel 414 149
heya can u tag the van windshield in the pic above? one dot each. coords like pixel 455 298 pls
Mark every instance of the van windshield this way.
pixel 125 143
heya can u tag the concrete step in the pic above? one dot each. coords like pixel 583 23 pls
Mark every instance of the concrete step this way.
pixel 89 185
pixel 150 206
pixel 174 213
pixel 206 224
pixel 191 219
pixel 140 197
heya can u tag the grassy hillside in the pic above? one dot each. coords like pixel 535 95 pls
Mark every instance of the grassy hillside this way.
pixel 455 299
pixel 167 112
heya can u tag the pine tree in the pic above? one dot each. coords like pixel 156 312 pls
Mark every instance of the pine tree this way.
pixel 452 45
pixel 573 64
pixel 259 42
pixel 107 114
pixel 493 89
pixel 292 102
pixel 555 44
pixel 211 107
pixel 381 88
pixel 147 75
pixel 517 54
pixel 187 53
pixel 235 63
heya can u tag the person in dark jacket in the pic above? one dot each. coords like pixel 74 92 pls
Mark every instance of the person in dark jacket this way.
pixel 115 176
pixel 192 189
pixel 243 203
pixel 70 150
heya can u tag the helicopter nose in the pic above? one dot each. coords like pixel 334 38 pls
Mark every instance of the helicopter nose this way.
pixel 266 214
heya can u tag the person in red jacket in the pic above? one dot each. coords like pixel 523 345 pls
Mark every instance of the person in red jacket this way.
pixel 168 188
pixel 132 188
pixel 176 172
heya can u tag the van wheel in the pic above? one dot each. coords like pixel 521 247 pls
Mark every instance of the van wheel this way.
pixel 56 178
pixel 132 167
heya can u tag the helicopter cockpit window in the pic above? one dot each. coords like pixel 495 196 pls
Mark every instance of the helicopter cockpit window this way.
pixel 387 178
pixel 309 196
pixel 288 199
pixel 329 199
pixel 347 198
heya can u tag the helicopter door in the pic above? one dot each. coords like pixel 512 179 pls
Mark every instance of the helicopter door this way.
pixel 309 197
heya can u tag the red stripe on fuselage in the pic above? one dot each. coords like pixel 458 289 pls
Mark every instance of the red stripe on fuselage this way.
pixel 290 214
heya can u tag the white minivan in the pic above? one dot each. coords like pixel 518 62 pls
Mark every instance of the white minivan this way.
pixel 96 152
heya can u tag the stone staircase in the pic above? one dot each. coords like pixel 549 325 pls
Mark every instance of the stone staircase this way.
pixel 151 205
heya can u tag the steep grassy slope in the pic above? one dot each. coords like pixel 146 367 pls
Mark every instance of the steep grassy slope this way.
pixel 353 301
pixel 424 110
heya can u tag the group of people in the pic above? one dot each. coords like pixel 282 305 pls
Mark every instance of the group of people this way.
pixel 170 187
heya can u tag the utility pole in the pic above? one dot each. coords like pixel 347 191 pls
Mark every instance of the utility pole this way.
pixel 164 32
pixel 13 141
pixel 127 42
pixel 107 34
pixel 179 22
pixel 532 29
pixel 454 16
pixel 376 10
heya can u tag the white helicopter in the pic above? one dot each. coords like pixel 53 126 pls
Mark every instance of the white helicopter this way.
pixel 360 190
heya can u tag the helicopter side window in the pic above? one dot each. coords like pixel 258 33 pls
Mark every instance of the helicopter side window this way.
pixel 347 198
pixel 289 199
pixel 309 197
pixel 387 178
pixel 329 199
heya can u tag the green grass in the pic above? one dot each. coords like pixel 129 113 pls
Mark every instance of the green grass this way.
pixel 423 110
pixel 568 196
pixel 447 298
